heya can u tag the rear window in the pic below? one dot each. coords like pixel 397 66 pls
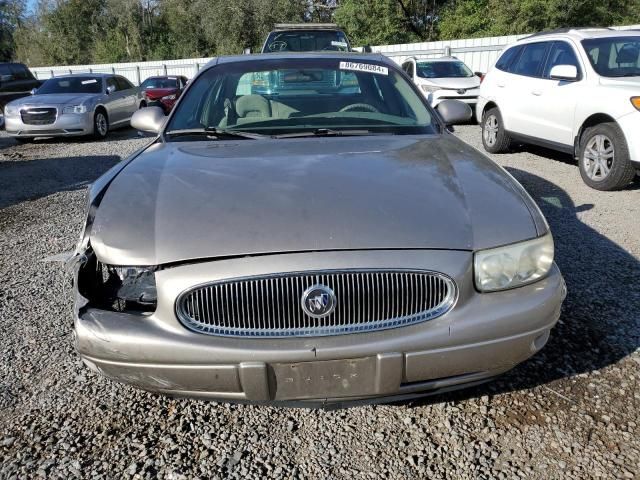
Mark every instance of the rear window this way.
pixel 306 41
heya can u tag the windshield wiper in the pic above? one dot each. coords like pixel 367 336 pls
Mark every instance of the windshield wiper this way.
pixel 324 132
pixel 214 133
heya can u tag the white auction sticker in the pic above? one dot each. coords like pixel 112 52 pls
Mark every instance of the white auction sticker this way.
pixel 339 44
pixel 364 67
pixel 86 82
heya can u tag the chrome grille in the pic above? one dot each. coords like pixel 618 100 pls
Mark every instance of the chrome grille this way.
pixel 38 116
pixel 270 306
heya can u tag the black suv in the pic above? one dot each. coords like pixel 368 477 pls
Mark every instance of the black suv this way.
pixel 16 81
pixel 306 37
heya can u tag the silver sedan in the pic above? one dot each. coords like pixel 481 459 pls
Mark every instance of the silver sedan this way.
pixel 74 105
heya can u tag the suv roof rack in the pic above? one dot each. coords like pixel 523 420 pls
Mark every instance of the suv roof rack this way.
pixel 565 30
pixel 305 26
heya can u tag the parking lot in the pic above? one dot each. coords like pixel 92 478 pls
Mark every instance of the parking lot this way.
pixel 570 412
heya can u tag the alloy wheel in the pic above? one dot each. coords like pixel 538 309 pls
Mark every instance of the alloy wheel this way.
pixel 490 130
pixel 598 157
pixel 101 124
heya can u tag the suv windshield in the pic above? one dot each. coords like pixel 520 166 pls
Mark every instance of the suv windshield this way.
pixel 312 94
pixel 614 56
pixel 71 85
pixel 162 82
pixel 441 69
pixel 306 41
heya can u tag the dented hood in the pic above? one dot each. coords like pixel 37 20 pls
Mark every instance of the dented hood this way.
pixel 182 201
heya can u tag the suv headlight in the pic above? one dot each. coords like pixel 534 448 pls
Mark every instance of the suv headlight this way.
pixel 513 265
pixel 75 109
pixel 429 88
pixel 10 110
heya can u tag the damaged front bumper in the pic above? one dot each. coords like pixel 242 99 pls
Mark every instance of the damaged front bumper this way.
pixel 482 336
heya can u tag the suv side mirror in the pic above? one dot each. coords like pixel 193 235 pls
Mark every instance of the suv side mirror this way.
pixel 454 111
pixel 33 91
pixel 367 49
pixel 564 72
pixel 111 89
pixel 246 51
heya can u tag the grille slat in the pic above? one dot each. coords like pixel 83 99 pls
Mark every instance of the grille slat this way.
pixel 39 116
pixel 271 306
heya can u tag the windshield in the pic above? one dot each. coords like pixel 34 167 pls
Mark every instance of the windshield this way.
pixel 614 57
pixel 71 85
pixel 443 70
pixel 161 82
pixel 306 41
pixel 312 94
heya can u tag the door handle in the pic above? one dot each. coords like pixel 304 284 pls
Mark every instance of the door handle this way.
pixel 537 93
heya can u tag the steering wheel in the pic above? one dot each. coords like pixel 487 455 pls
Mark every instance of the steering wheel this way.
pixel 278 46
pixel 360 107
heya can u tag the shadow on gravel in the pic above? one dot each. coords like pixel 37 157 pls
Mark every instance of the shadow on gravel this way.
pixel 599 325
pixel 32 179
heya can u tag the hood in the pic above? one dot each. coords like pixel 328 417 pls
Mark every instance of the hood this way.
pixel 54 99
pixel 190 200
pixel 157 93
pixel 453 83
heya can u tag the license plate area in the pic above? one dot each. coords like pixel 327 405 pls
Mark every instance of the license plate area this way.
pixel 325 379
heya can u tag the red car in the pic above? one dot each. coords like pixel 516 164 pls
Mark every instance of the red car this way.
pixel 163 91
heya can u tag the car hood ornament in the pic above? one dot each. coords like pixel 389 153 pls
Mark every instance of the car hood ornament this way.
pixel 318 301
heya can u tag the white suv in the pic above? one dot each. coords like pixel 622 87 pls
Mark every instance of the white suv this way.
pixel 577 91
pixel 445 78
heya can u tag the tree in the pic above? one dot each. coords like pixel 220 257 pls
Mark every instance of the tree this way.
pixel 11 15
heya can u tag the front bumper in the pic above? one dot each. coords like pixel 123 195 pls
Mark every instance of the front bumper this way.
pixel 70 124
pixel 469 96
pixel 630 125
pixel 482 336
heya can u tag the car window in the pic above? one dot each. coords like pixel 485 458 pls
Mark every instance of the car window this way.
pixel 111 82
pixel 531 58
pixel 306 41
pixel 293 95
pixel 79 84
pixel 4 69
pixel 123 83
pixel 561 53
pixel 443 69
pixel 507 57
pixel 20 72
pixel 614 56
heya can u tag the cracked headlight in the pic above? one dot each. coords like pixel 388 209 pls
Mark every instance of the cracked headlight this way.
pixel 75 109
pixel 513 265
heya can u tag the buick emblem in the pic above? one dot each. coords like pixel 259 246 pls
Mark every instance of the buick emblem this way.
pixel 462 91
pixel 318 301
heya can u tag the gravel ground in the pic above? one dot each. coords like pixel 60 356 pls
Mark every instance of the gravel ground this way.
pixel 570 412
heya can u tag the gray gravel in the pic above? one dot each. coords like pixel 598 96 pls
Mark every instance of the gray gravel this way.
pixel 570 412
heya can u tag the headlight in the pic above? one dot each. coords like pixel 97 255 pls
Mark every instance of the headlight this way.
pixel 75 109
pixel 513 265
pixel 10 110
pixel 635 101
pixel 134 285
pixel 169 97
pixel 429 88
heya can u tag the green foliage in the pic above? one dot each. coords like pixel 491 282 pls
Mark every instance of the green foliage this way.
pixel 478 18
pixel 105 31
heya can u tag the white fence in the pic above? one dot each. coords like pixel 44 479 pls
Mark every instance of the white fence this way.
pixel 478 53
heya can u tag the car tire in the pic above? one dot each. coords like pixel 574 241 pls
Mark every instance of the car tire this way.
pixel 100 125
pixel 604 158
pixel 495 138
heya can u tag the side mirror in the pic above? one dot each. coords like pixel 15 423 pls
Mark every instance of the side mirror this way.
pixel 454 111
pixel 111 89
pixel 478 74
pixel 246 51
pixel 33 91
pixel 564 72
pixel 367 49
pixel 149 120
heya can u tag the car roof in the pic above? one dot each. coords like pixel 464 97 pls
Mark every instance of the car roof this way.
pixel 581 34
pixel 344 56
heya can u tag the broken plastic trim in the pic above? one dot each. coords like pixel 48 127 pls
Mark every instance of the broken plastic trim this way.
pixel 116 288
